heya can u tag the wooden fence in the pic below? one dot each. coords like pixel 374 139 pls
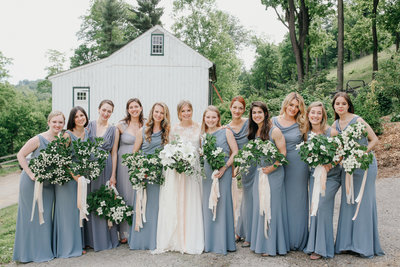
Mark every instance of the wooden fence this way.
pixel 8 161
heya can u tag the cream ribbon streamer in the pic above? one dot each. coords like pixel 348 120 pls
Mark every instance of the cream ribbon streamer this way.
pixel 38 197
pixel 214 194
pixel 81 199
pixel 319 188
pixel 360 194
pixel 110 223
pixel 349 188
pixel 140 208
pixel 235 200
pixel 264 193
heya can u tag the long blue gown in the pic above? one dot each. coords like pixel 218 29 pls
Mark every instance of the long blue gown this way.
pixel 124 186
pixel 361 235
pixel 97 234
pixel 320 238
pixel 67 237
pixel 277 242
pixel 33 242
pixel 146 238
pixel 219 235
pixel 296 187
pixel 243 228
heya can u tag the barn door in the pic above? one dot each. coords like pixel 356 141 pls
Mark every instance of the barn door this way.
pixel 81 98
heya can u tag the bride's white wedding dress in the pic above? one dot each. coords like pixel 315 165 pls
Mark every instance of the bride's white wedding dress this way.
pixel 180 218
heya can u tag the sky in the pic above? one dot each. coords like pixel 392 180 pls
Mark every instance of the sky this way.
pixel 29 28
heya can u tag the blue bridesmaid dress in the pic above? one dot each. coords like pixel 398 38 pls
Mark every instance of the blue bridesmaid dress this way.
pixel 97 234
pixel 277 242
pixel 146 238
pixel 33 242
pixel 124 186
pixel 296 187
pixel 320 238
pixel 361 235
pixel 243 228
pixel 67 234
pixel 219 235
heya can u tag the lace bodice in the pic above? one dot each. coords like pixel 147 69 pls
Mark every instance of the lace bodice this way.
pixel 187 134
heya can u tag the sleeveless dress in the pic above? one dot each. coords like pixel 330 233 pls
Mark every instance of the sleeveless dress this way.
pixel 320 238
pixel 68 236
pixel 180 216
pixel 277 241
pixel 96 231
pixel 361 235
pixel 219 235
pixel 244 224
pixel 296 187
pixel 33 242
pixel 124 186
pixel 146 237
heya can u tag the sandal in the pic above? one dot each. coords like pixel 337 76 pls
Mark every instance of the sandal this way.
pixel 315 256
pixel 265 255
pixel 238 239
pixel 246 244
pixel 123 241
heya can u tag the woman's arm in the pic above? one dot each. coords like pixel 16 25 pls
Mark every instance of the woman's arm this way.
pixel 372 138
pixel 29 147
pixel 138 140
pixel 114 158
pixel 234 150
pixel 280 143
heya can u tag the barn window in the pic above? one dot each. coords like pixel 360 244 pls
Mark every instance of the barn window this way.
pixel 157 44
pixel 81 96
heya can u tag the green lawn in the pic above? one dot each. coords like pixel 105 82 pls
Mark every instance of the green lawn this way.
pixel 5 171
pixel 8 217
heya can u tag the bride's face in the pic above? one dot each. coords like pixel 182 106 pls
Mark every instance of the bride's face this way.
pixel 185 114
pixel 211 119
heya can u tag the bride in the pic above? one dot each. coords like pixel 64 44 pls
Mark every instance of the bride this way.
pixel 180 218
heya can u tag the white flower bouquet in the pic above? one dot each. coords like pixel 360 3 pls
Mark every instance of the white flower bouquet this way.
pixel 318 150
pixel 179 156
pixel 214 155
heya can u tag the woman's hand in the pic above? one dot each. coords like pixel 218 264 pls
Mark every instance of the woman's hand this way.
pixel 268 170
pixel 32 177
pixel 235 172
pixel 327 167
pixel 221 172
pixel 76 177
pixel 113 180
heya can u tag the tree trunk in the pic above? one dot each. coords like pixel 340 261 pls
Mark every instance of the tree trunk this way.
pixel 298 53
pixel 375 39
pixel 397 41
pixel 340 44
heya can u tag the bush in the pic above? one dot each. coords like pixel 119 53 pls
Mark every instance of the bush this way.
pixel 395 118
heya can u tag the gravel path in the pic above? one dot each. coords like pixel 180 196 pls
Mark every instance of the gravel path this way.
pixel 388 209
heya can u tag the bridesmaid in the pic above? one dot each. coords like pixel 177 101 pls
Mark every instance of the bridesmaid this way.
pixel 261 127
pixel 151 137
pixel 292 123
pixel 127 128
pixel 361 235
pixel 239 127
pixel 320 240
pixel 219 235
pixel 67 238
pixel 33 241
pixel 97 233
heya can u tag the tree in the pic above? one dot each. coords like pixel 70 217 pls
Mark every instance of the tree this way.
pixel 146 15
pixel 56 60
pixel 4 62
pixel 391 19
pixel 340 45
pixel 374 38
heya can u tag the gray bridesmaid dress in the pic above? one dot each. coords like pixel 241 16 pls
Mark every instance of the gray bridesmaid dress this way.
pixel 361 235
pixel 244 224
pixel 33 242
pixel 277 242
pixel 296 187
pixel 67 234
pixel 146 238
pixel 320 238
pixel 219 235
pixel 97 234
pixel 124 186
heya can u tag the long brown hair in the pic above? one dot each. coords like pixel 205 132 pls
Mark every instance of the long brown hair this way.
pixel 165 123
pixel 253 126
pixel 348 100
pixel 212 108
pixel 127 118
pixel 301 115
pixel 324 120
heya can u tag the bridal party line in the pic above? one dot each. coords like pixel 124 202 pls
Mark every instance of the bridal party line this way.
pixel 162 187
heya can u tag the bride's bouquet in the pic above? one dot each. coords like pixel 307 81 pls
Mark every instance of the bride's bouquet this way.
pixel 144 169
pixel 179 156
pixel 255 151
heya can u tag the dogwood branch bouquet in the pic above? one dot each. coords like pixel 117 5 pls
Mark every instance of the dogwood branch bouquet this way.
pixel 214 155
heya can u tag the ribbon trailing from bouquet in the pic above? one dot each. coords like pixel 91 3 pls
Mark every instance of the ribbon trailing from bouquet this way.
pixel 81 199
pixel 264 193
pixel 140 208
pixel 235 200
pixel 110 223
pixel 360 194
pixel 349 188
pixel 38 197
pixel 214 194
pixel 319 188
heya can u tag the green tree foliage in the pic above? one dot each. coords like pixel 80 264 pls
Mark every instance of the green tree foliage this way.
pixel 4 62
pixel 146 15
pixel 56 60
pixel 391 19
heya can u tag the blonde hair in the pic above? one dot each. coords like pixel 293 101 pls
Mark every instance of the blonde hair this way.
pixel 211 108
pixel 181 105
pixel 300 117
pixel 324 120
pixel 165 123
pixel 54 114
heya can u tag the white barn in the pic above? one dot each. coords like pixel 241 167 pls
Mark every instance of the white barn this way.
pixel 154 67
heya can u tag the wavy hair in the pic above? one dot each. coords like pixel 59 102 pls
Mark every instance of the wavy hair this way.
pixel 165 123
pixel 324 120
pixel 300 117
pixel 127 118
pixel 253 126
pixel 212 108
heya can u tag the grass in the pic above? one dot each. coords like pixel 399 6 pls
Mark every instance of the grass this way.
pixel 5 171
pixel 8 217
pixel 361 69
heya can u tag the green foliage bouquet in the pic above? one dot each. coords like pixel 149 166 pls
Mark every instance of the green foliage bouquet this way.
pixel 318 150
pixel 90 159
pixel 52 164
pixel 144 169
pixel 107 204
pixel 214 155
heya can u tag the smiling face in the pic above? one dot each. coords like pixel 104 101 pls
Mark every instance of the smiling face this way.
pixel 105 111
pixel 292 108
pixel 185 113
pixel 211 119
pixel 134 109
pixel 158 113
pixel 56 123
pixel 315 115
pixel 80 119
pixel 341 106
pixel 237 110
pixel 258 116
